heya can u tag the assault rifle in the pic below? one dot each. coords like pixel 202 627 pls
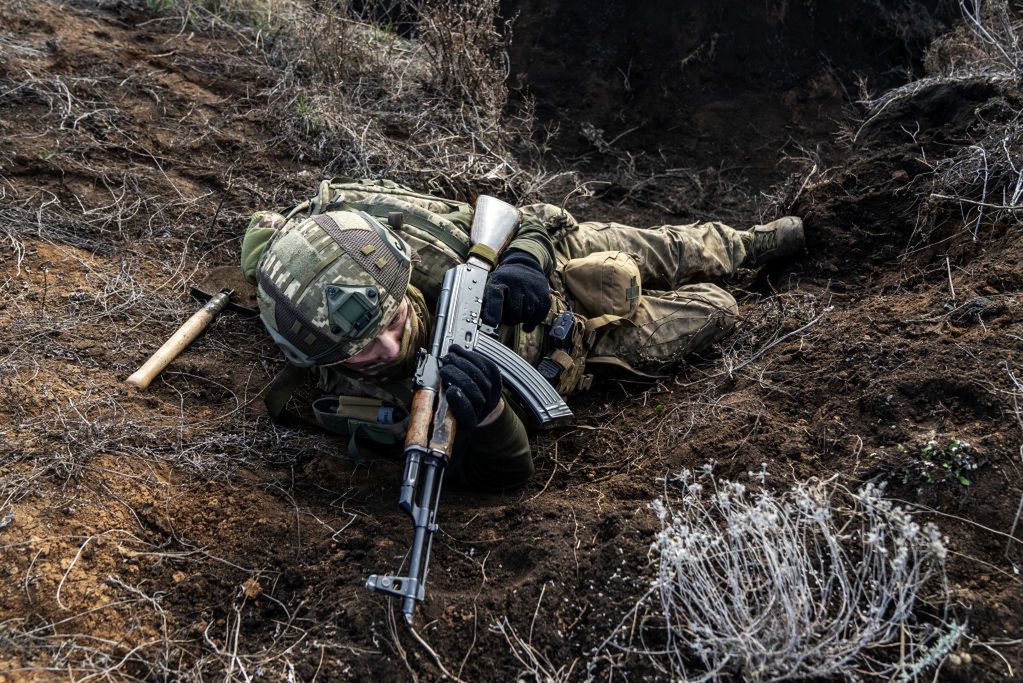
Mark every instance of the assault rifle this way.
pixel 431 428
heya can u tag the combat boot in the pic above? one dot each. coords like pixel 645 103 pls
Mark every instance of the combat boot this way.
pixel 777 239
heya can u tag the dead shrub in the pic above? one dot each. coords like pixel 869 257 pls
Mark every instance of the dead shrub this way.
pixel 811 582
pixel 426 108
pixel 468 53
pixel 983 177
pixel 350 94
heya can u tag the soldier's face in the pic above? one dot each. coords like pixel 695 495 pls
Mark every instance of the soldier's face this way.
pixel 381 353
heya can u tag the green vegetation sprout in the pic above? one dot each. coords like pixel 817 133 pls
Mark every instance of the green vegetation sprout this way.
pixel 937 463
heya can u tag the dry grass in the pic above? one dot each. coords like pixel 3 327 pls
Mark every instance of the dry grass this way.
pixel 134 219
pixel 808 583
pixel 536 666
pixel 983 176
pixel 804 584
pixel 62 406
pixel 640 179
pixel 424 105
pixel 985 48
pixel 152 643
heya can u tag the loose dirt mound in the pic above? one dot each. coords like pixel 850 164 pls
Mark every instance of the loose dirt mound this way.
pixel 178 534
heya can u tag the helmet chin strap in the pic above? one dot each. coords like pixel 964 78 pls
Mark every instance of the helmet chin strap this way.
pixel 294 356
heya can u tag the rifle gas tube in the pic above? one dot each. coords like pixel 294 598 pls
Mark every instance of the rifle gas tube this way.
pixel 431 430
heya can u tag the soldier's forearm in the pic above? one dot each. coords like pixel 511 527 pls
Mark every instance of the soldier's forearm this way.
pixel 494 457
pixel 534 239
pixel 493 415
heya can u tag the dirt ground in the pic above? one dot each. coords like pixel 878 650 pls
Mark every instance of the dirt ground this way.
pixel 178 534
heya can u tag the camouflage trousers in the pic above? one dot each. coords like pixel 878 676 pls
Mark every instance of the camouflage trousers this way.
pixel 678 311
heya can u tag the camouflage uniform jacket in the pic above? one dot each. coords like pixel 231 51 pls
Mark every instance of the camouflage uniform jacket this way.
pixel 491 457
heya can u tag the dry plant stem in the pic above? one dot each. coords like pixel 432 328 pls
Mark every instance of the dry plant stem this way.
pixel 983 178
pixel 951 287
pixel 395 641
pixel 778 341
pixel 71 566
pixel 989 646
pixel 1012 531
pixel 534 663
pixel 770 587
pixel 433 655
pixel 1017 392
pixel 1006 44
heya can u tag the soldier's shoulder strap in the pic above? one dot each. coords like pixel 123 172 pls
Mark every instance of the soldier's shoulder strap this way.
pixel 279 392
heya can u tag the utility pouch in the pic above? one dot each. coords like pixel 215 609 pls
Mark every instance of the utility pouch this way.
pixel 361 419
pixel 565 364
pixel 604 283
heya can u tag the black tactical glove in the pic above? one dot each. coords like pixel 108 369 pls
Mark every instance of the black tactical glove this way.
pixel 517 292
pixel 472 386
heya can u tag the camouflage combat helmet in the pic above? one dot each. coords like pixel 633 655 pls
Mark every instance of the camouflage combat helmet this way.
pixel 328 285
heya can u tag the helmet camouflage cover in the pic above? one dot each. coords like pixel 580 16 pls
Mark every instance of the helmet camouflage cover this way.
pixel 329 284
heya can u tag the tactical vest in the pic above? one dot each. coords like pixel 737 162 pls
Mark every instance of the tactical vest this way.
pixel 438 231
